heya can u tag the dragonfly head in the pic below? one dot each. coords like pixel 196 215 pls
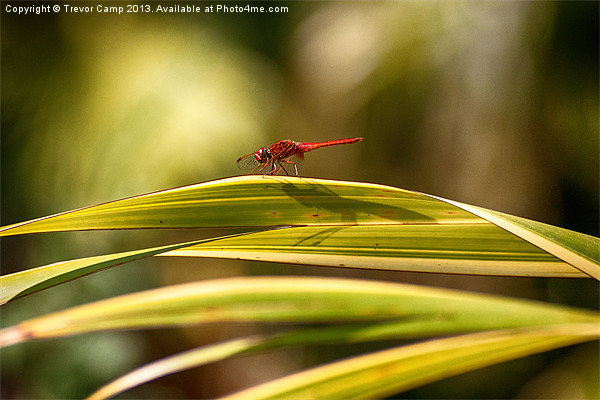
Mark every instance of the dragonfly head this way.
pixel 262 155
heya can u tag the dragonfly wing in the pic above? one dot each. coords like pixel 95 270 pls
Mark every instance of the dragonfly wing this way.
pixel 247 162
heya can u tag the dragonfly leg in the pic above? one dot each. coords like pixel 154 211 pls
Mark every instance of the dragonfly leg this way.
pixel 259 168
pixel 273 166
pixel 275 169
pixel 256 169
pixel 282 167
pixel 290 162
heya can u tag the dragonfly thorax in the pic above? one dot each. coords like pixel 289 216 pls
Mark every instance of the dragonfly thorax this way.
pixel 262 155
pixel 283 156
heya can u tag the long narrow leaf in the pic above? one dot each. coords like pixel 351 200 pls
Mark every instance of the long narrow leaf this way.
pixel 211 353
pixel 466 248
pixel 252 201
pixel 354 333
pixel 579 250
pixel 19 284
pixel 288 201
pixel 388 372
pixel 176 363
pixel 483 249
pixel 293 299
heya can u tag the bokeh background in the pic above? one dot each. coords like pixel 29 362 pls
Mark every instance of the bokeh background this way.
pixel 489 103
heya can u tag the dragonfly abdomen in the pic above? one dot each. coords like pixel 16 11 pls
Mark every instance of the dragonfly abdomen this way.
pixel 311 146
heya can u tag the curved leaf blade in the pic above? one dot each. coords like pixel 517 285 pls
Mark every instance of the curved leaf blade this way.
pixel 392 371
pixel 483 249
pixel 291 201
pixel 254 201
pixel 176 363
pixel 251 345
pixel 466 248
pixel 579 250
pixel 293 299
pixel 22 283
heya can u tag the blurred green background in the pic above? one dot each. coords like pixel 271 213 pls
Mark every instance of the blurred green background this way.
pixel 489 103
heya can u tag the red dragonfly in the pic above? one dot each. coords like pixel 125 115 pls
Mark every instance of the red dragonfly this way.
pixel 284 154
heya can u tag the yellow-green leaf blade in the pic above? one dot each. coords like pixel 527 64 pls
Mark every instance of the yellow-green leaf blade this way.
pixel 252 201
pixel 298 300
pixel 175 363
pixel 25 282
pixel 388 372
pixel 579 250
pixel 481 248
pixel 290 201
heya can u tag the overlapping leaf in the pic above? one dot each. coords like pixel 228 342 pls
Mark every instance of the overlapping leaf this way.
pixel 29 281
pixel 579 250
pixel 411 365
pixel 295 299
pixel 345 223
pixel 378 311
pixel 255 201
pixel 326 223
pixel 391 371
pixel 482 249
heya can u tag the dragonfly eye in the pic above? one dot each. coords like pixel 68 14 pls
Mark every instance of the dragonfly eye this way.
pixel 262 155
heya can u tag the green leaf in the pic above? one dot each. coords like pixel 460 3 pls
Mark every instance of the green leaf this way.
pixel 391 371
pixel 252 201
pixel 579 250
pixel 360 218
pixel 250 345
pixel 481 248
pixel 176 363
pixel 22 283
pixel 297 300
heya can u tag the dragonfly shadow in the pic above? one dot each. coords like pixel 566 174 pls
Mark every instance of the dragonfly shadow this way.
pixel 314 239
pixel 317 196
